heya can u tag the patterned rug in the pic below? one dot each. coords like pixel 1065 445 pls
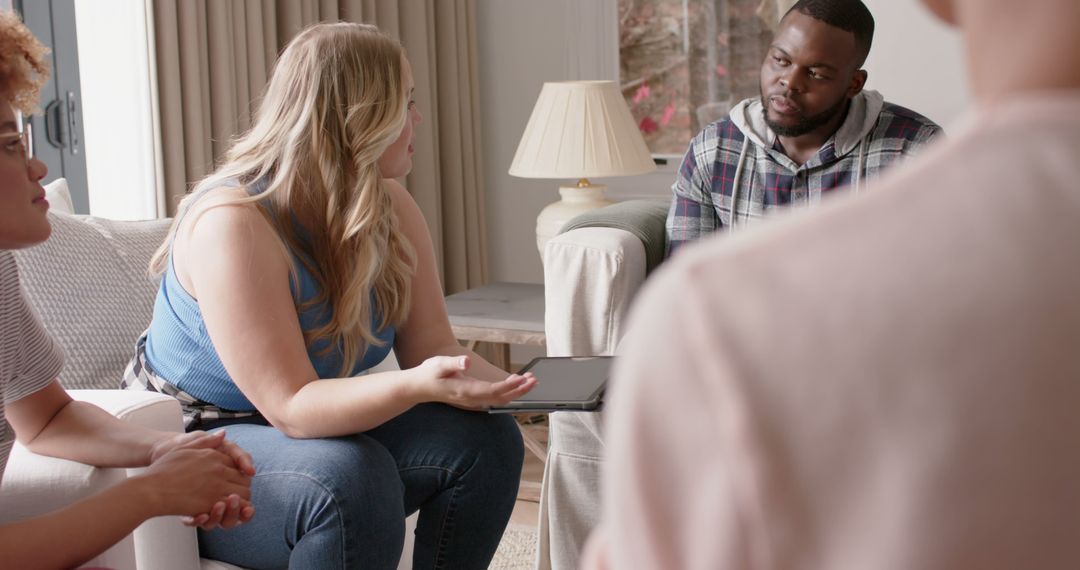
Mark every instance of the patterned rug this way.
pixel 517 551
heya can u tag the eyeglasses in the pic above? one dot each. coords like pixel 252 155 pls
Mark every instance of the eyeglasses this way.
pixel 17 145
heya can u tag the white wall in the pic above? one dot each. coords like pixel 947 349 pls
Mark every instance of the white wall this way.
pixel 522 44
pixel 117 100
pixel 916 62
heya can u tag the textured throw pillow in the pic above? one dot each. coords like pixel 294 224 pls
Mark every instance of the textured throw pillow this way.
pixel 59 197
pixel 89 282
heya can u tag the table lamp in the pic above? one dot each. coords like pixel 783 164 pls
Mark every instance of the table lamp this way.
pixel 579 130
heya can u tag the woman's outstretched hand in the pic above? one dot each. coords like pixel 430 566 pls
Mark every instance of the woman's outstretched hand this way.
pixel 444 379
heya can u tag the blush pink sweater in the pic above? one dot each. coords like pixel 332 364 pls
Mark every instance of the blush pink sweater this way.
pixel 890 382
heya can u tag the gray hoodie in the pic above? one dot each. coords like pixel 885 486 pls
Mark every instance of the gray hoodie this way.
pixel 734 172
pixel 856 128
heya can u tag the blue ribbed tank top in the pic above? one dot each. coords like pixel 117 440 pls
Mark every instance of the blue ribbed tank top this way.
pixel 178 348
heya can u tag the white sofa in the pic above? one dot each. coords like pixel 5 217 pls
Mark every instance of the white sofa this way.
pixel 591 274
pixel 90 284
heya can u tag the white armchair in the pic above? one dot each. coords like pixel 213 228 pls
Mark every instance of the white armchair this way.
pixel 591 274
pixel 34 485
pixel 89 284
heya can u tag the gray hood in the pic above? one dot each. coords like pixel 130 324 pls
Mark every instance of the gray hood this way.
pixel 861 117
pixel 747 116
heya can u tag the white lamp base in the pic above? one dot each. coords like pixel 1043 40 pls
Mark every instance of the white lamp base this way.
pixel 575 200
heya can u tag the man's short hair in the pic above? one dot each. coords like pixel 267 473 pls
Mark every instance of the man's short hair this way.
pixel 848 15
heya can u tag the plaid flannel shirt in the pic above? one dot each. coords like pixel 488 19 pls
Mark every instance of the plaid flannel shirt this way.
pixel 706 198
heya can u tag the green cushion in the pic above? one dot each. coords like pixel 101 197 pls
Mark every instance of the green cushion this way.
pixel 645 219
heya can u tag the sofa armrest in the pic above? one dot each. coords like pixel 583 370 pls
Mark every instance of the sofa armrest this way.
pixel 147 409
pixel 645 219
pixel 594 268
pixel 35 484
pixel 590 276
pixel 162 542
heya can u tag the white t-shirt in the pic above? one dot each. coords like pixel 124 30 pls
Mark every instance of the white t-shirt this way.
pixel 29 358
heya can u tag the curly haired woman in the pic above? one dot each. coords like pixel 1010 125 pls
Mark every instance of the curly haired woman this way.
pixel 201 476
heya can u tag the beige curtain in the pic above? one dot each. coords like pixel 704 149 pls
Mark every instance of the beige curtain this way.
pixel 772 10
pixel 214 57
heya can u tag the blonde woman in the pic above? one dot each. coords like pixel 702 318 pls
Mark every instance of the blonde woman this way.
pixel 201 476
pixel 291 271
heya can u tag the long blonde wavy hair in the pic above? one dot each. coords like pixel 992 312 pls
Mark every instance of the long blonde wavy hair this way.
pixel 335 101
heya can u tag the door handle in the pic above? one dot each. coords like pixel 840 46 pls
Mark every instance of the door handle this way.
pixel 54 123
pixel 73 132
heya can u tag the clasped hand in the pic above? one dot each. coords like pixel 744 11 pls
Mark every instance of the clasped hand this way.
pixel 201 469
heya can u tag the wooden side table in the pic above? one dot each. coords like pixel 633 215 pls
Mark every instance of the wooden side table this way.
pixel 502 314
pixel 499 313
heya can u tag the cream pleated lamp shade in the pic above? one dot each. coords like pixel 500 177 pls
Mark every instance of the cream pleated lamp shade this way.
pixel 581 129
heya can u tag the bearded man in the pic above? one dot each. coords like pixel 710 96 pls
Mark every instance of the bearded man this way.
pixel 813 130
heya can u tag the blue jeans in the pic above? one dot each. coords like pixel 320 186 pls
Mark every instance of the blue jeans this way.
pixel 341 502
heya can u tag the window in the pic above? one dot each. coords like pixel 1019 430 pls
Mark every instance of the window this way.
pixel 57 133
pixel 684 63
pixel 101 78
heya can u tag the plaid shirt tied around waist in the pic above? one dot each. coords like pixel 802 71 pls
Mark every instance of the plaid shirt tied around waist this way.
pixel 139 375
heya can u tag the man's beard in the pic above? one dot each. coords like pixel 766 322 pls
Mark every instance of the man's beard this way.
pixel 805 124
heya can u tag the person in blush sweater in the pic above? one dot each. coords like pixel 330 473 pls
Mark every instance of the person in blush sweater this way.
pixel 892 382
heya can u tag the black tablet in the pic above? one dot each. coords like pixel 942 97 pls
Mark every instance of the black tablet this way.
pixel 563 383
